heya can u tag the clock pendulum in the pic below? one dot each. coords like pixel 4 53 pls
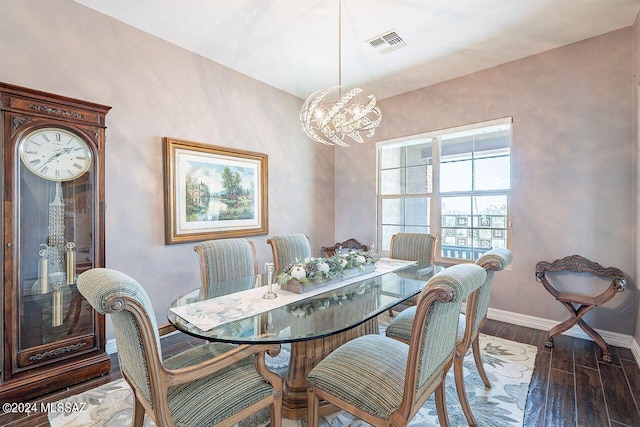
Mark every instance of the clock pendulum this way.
pixel 55 239
pixel 57 258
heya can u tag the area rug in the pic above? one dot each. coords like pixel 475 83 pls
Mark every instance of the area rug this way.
pixel 508 364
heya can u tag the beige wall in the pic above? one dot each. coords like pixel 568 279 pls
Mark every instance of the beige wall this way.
pixel 157 89
pixel 572 160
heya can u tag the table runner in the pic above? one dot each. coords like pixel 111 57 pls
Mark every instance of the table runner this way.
pixel 210 313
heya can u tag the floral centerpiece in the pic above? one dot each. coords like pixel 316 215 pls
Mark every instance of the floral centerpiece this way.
pixel 355 262
pixel 315 272
pixel 310 270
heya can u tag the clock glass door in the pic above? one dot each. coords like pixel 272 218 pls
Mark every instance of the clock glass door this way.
pixel 56 229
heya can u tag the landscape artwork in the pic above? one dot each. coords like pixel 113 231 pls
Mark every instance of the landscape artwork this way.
pixel 215 192
pixel 218 191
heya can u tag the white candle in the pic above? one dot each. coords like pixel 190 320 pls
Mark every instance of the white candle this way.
pixel 57 307
pixel 43 272
pixel 71 263
pixel 269 267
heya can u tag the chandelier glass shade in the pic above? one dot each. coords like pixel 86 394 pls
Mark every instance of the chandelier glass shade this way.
pixel 331 122
pixel 329 116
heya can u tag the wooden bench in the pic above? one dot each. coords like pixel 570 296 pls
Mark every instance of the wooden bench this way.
pixel 580 304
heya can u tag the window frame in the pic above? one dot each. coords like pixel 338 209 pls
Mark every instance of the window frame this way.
pixel 435 196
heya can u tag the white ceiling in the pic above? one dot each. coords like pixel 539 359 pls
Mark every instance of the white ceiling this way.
pixel 293 44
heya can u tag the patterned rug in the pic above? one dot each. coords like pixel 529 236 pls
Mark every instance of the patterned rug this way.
pixel 508 364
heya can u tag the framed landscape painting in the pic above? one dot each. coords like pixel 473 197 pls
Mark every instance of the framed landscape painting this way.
pixel 213 192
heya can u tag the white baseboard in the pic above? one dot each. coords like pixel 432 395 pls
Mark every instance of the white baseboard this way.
pixel 635 349
pixel 111 347
pixel 612 338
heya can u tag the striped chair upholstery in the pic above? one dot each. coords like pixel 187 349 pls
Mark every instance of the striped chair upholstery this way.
pixel 469 324
pixel 288 248
pixel 213 384
pixel 384 381
pixel 419 247
pixel 224 263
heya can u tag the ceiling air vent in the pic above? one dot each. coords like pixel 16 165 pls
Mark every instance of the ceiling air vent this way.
pixel 387 42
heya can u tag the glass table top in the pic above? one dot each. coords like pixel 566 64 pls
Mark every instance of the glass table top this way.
pixel 314 317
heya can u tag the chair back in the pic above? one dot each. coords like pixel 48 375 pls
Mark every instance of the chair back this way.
pixel 433 337
pixel 223 263
pixel 419 247
pixel 494 260
pixel 288 248
pixel 134 324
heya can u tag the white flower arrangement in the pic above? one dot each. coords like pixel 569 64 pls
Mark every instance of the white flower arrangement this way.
pixel 315 270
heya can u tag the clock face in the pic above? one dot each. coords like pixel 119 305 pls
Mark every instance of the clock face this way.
pixel 55 154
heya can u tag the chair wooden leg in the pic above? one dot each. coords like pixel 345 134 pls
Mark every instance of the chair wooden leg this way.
pixel 312 407
pixel 275 413
pixel 606 354
pixel 458 373
pixel 138 413
pixel 477 356
pixel 441 405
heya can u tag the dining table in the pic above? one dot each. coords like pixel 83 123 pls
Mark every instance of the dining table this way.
pixel 314 323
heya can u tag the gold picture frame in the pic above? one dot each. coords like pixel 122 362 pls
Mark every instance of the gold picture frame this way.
pixel 213 192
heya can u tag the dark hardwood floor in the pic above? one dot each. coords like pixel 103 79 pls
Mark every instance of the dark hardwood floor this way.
pixel 570 386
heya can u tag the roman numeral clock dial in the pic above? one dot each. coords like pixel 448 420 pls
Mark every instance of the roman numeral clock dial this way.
pixel 55 154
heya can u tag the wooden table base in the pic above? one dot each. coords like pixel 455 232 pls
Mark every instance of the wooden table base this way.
pixel 304 356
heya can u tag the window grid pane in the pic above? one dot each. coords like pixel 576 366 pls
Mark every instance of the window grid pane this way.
pixel 403 215
pixel 466 234
pixel 406 212
pixel 475 172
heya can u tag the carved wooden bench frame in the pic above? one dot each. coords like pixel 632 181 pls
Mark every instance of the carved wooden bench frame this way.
pixel 579 304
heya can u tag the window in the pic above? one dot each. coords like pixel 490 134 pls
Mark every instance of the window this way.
pixel 453 183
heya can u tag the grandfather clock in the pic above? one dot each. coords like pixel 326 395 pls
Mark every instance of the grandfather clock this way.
pixel 53 167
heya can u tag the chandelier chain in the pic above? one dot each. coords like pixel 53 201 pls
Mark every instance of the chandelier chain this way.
pixel 340 46
pixel 331 122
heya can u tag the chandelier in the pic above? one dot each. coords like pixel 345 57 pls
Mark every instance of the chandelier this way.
pixel 328 116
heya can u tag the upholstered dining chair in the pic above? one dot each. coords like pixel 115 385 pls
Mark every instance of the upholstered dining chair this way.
pixel 212 384
pixel 469 325
pixel 288 248
pixel 351 243
pixel 223 262
pixel 384 381
pixel 419 247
